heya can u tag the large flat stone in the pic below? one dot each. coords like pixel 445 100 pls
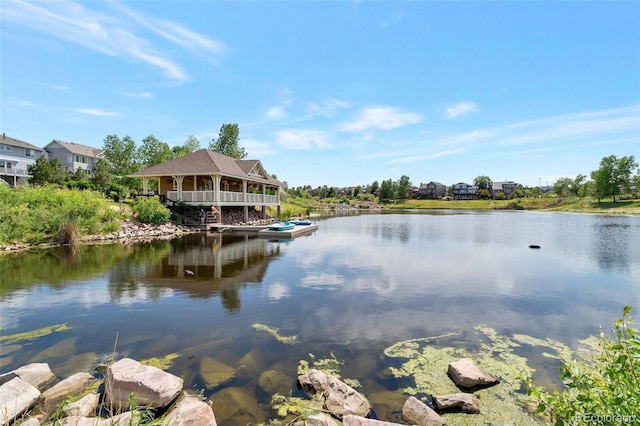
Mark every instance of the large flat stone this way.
pixel 150 386
pixel 462 402
pixel 16 396
pixel 340 398
pixel 416 412
pixel 351 420
pixel 191 411
pixel 466 374
pixel 70 385
pixel 36 374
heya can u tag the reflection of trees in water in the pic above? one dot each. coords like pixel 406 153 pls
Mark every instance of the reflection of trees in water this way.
pixel 231 300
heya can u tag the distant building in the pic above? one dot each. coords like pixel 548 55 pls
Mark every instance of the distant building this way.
pixel 15 158
pixel 74 156
pixel 464 191
pixel 431 190
pixel 507 188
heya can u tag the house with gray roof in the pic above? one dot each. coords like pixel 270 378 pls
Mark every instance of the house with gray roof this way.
pixel 15 158
pixel 431 190
pixel 208 178
pixel 74 156
pixel 507 188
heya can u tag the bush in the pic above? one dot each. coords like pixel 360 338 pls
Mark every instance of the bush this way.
pixel 602 388
pixel 150 210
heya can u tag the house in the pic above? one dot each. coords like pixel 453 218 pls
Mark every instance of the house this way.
pixel 464 191
pixel 15 158
pixel 431 190
pixel 74 156
pixel 507 188
pixel 208 178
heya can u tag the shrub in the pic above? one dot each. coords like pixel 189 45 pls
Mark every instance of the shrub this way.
pixel 150 210
pixel 601 388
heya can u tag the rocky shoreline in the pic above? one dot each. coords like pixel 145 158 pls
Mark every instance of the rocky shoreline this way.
pixel 132 393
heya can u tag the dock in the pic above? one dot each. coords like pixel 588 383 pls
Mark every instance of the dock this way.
pixel 263 231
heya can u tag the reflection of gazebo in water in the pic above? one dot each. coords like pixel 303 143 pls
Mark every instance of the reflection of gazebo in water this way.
pixel 219 265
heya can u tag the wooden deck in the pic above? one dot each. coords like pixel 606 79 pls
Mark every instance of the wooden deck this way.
pixel 263 231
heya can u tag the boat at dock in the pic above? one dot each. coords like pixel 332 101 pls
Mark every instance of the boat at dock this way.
pixel 279 226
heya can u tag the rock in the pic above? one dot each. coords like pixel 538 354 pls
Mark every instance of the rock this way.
pixel 466 374
pixel 31 421
pixel 16 396
pixel 236 406
pixel 36 374
pixel 124 419
pixel 191 411
pixel 85 406
pixel 70 385
pixel 151 386
pixel 388 404
pixel 317 420
pixel 340 399
pixel 417 412
pixel 275 381
pixel 463 402
pixel 215 372
pixel 351 420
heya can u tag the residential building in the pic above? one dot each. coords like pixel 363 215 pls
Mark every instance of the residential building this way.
pixel 432 190
pixel 464 191
pixel 74 156
pixel 15 158
pixel 208 178
pixel 507 188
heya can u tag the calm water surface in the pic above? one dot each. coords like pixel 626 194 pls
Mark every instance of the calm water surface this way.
pixel 353 288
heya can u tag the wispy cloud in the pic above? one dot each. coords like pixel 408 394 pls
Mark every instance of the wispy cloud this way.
pixel 415 158
pixel 97 112
pixel 257 148
pixel 461 108
pixel 119 34
pixel 302 139
pixel 138 94
pixel 276 113
pixel 381 117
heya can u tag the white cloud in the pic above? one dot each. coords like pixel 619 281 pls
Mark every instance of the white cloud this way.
pixel 302 139
pixel 256 148
pixel 138 94
pixel 461 108
pixel 119 34
pixel 414 158
pixel 276 112
pixel 326 108
pixel 97 112
pixel 381 117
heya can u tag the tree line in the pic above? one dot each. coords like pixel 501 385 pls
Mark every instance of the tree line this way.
pixel 123 157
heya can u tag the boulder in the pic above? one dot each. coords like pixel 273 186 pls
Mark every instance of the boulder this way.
pixel 191 411
pixel 215 372
pixel 151 386
pixel 466 374
pixel 417 412
pixel 37 374
pixel 351 420
pixel 16 396
pixel 462 402
pixel 70 385
pixel 340 399
pixel 317 420
pixel 237 406
pixel 85 406
pixel 275 381
pixel 124 419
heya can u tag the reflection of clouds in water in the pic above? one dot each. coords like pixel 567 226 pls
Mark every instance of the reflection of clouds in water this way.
pixel 278 290
pixel 322 280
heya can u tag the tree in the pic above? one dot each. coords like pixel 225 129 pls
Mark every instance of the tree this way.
pixel 228 142
pixel 153 152
pixel 387 190
pixel 561 186
pixel 577 186
pixel 192 144
pixel 102 176
pixel 121 155
pixel 374 187
pixel 45 171
pixel 482 182
pixel 612 175
pixel 403 186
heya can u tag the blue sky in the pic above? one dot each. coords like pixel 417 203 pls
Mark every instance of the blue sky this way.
pixel 339 93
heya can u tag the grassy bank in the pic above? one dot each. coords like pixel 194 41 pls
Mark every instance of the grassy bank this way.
pixel 46 214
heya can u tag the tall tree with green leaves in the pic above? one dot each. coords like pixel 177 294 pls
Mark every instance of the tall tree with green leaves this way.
pixel 482 182
pixel 387 190
pixel 45 171
pixel 121 155
pixel 153 152
pixel 228 142
pixel 562 186
pixel 403 187
pixel 192 144
pixel 613 174
pixel 102 175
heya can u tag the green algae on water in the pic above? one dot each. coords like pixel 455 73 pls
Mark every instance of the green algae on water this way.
pixel 163 363
pixel 287 340
pixel 34 334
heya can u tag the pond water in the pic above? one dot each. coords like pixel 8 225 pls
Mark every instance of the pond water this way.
pixel 353 288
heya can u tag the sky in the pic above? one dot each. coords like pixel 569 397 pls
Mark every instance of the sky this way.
pixel 337 93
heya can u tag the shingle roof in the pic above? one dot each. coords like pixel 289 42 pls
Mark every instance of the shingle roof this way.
pixel 76 148
pixel 8 140
pixel 205 162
